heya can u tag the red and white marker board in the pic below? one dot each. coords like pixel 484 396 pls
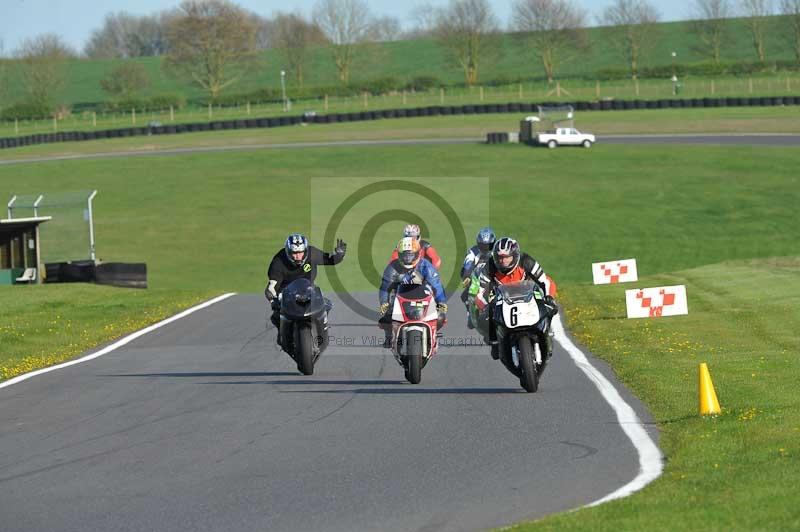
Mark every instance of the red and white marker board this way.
pixel 615 271
pixel 657 301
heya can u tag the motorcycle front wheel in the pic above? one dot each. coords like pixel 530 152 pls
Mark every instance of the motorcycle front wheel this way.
pixel 305 350
pixel 529 378
pixel 413 358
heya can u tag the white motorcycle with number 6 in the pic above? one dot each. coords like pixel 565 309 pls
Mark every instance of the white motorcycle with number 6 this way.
pixel 522 316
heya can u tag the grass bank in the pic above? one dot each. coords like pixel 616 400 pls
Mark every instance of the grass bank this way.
pixel 736 471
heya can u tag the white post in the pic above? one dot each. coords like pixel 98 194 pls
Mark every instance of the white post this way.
pixel 55 123
pixel 10 204
pixel 91 225
pixel 325 105
pixel 171 114
pixel 133 116
pixel 16 126
pixel 38 258
pixel 441 94
pixel 94 119
pixel 36 205
pixel 210 112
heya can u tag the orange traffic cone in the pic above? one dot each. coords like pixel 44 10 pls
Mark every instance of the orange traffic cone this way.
pixel 709 404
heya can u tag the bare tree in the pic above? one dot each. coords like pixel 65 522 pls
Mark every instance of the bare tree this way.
pixel 126 80
pixel 790 9
pixel 634 29
pixel 293 36
pixel 710 24
pixel 44 61
pixel 387 29
pixel 554 29
pixel 348 25
pixel 467 29
pixel 126 35
pixel 3 75
pixel 211 43
pixel 756 13
pixel 265 31
pixel 424 17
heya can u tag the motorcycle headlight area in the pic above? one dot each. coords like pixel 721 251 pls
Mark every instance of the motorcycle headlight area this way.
pixel 415 310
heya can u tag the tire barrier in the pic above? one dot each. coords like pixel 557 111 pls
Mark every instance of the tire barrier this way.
pixel 81 271
pixel 497 138
pixel 121 274
pixel 126 275
pixel 437 110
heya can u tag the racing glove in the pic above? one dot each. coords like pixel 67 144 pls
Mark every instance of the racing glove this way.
pixel 551 302
pixel 384 308
pixel 341 247
pixel 442 308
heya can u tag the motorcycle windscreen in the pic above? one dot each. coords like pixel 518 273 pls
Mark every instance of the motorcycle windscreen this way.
pixel 301 299
pixel 519 291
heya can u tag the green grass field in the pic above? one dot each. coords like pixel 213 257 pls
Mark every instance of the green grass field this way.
pixel 407 59
pixel 712 218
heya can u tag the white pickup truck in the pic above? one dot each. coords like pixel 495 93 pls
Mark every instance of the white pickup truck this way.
pixel 565 136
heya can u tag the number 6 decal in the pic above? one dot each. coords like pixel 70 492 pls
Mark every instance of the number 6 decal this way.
pixel 513 315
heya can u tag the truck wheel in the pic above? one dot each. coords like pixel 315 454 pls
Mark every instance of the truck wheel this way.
pixel 551 144
pixel 587 143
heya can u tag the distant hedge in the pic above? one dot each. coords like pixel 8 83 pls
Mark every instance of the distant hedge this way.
pixel 701 69
pixel 26 111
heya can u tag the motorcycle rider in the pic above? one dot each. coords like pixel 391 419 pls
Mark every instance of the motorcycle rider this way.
pixel 508 265
pixel 408 268
pixel 428 251
pixel 477 254
pixel 297 259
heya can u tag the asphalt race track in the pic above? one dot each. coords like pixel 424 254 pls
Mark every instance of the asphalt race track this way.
pixel 204 425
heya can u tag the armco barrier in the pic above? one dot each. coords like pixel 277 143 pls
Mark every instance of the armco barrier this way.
pixel 446 110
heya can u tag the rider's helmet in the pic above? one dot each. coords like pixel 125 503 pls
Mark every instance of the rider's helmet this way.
pixel 485 240
pixel 506 254
pixel 296 248
pixel 411 230
pixel 408 252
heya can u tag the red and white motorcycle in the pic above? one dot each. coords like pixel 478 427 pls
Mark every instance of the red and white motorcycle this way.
pixel 415 323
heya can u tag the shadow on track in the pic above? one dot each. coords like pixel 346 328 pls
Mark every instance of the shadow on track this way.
pixel 418 391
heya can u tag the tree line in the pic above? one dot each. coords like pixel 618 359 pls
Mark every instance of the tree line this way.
pixel 213 44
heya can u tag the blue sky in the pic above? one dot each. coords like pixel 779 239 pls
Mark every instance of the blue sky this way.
pixel 75 19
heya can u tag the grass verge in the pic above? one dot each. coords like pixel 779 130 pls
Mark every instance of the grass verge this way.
pixel 44 325
pixel 736 471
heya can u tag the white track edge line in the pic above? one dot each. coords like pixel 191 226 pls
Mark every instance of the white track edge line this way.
pixel 650 459
pixel 119 343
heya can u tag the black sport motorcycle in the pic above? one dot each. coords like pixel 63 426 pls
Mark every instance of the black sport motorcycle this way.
pixel 522 318
pixel 304 323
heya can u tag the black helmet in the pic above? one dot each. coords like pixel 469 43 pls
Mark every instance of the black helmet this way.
pixel 296 243
pixel 503 248
pixel 485 240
